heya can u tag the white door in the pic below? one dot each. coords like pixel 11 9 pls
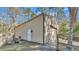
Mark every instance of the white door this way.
pixel 29 35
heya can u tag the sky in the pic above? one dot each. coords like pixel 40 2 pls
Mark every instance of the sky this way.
pixel 19 19
pixel 3 11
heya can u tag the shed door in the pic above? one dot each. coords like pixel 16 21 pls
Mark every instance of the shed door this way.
pixel 29 35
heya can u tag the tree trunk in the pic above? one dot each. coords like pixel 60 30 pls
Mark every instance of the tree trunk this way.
pixel 73 13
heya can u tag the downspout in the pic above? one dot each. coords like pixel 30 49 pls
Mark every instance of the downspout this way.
pixel 43 29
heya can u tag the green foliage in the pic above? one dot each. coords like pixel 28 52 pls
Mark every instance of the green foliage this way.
pixel 64 30
pixel 76 29
pixel 33 14
pixel 63 27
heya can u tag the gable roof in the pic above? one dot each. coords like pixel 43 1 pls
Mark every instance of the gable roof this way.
pixel 28 20
pixel 33 19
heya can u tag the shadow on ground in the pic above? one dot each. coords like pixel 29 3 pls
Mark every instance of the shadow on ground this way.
pixel 25 46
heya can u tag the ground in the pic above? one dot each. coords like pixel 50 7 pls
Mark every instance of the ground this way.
pixel 63 44
pixel 25 46
pixel 30 46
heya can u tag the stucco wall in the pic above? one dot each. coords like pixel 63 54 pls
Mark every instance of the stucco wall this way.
pixel 37 29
